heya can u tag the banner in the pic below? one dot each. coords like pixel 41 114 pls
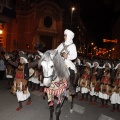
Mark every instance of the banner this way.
pixel 114 41
pixel 102 49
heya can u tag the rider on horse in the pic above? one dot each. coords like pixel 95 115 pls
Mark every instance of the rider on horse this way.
pixel 68 51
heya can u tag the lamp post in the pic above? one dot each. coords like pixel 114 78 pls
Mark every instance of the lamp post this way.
pixel 72 9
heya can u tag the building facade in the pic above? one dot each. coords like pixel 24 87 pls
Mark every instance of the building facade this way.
pixel 40 21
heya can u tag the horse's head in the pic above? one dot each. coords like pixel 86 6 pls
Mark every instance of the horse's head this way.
pixel 53 67
pixel 47 64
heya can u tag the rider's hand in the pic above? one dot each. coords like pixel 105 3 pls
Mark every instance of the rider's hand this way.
pixel 65 55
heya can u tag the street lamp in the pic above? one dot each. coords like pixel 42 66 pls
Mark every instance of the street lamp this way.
pixel 72 9
pixel 1 31
pixel 113 49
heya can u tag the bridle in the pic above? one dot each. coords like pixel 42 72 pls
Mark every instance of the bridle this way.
pixel 53 76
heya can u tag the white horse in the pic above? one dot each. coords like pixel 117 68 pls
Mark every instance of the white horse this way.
pixel 56 80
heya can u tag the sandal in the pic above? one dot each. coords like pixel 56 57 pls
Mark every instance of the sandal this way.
pixel 29 102
pixel 19 108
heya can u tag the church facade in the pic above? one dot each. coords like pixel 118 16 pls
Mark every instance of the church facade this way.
pixel 43 23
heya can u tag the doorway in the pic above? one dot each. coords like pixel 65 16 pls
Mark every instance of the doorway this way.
pixel 47 41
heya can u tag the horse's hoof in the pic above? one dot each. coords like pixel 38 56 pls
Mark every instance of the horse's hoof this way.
pixel 71 110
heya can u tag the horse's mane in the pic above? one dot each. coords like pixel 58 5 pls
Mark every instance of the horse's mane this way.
pixel 60 67
pixel 59 64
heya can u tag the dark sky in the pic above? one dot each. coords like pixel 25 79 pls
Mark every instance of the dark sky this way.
pixel 98 17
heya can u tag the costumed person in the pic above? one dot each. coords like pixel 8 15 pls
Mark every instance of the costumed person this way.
pixel 84 81
pixel 9 75
pixel 40 73
pixel 68 51
pixel 115 97
pixel 31 70
pixel 20 87
pixel 77 64
pixel 105 88
pixel 35 79
pixel 10 70
pixel 95 81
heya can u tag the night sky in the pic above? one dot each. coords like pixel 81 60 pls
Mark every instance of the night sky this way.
pixel 98 16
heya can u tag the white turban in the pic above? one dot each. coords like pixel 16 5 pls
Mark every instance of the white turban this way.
pixel 70 36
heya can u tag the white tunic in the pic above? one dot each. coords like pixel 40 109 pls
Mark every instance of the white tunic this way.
pixel 103 96
pixel 84 90
pixel 22 96
pixel 92 91
pixel 72 54
pixel 115 98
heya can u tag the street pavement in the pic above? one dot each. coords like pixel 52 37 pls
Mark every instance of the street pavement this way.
pixel 39 110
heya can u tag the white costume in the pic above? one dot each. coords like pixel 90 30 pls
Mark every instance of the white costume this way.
pixel 21 96
pixel 92 91
pixel 115 98
pixel 72 52
pixel 105 96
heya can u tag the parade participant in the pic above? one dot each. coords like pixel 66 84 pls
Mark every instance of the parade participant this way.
pixel 105 88
pixel 84 81
pixel 20 79
pixel 9 75
pixel 10 70
pixel 35 79
pixel 31 70
pixel 95 81
pixel 39 73
pixel 77 64
pixel 68 51
pixel 115 97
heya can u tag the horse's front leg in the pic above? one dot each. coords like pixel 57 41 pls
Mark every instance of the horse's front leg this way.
pixel 59 106
pixel 51 107
pixel 70 99
pixel 71 107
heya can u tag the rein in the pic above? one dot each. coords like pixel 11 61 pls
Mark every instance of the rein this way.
pixel 51 76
